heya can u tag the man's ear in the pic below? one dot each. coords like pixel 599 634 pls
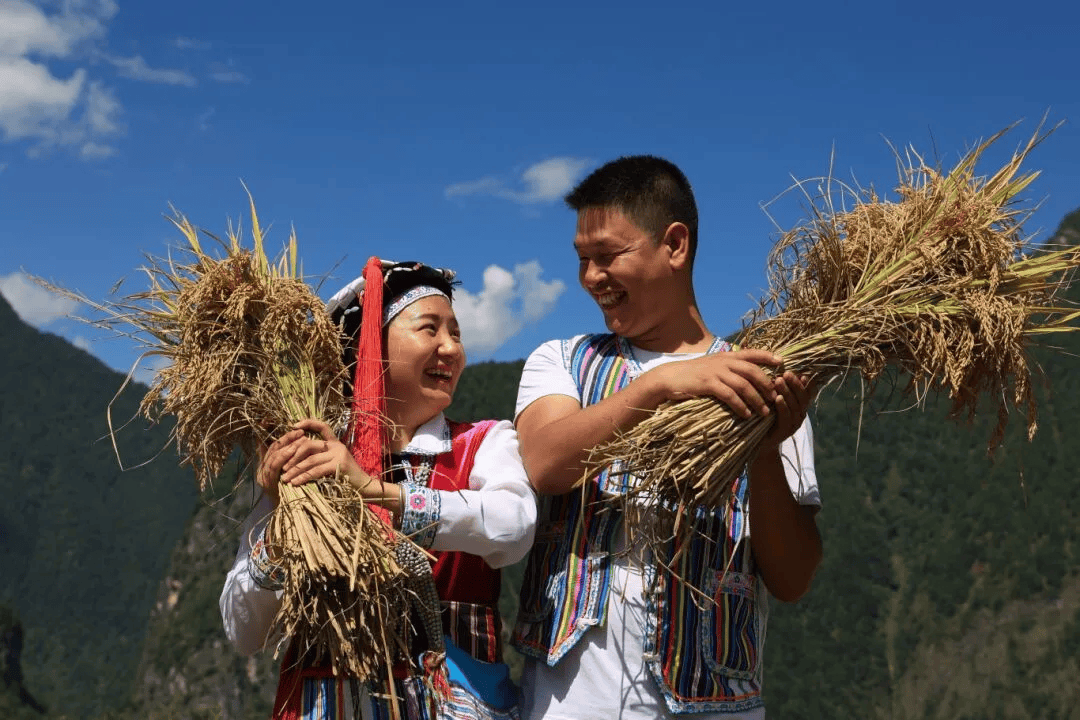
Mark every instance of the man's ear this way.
pixel 677 242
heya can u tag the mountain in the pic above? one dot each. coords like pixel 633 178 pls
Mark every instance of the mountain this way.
pixel 83 544
pixel 950 586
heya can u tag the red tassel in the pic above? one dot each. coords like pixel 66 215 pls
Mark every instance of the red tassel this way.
pixel 367 426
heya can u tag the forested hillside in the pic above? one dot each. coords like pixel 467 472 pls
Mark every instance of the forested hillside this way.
pixel 83 545
pixel 950 586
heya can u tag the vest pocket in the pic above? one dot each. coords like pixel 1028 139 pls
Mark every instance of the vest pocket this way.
pixel 542 571
pixel 730 628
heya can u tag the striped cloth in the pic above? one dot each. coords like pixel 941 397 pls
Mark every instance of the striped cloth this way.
pixel 705 654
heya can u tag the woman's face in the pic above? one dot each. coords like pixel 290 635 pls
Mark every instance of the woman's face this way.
pixel 424 361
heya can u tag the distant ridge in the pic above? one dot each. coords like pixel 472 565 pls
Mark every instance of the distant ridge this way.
pixel 83 545
pixel 950 586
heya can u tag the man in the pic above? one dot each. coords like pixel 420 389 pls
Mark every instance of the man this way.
pixel 609 630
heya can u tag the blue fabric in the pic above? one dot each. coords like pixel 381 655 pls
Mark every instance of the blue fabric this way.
pixel 488 681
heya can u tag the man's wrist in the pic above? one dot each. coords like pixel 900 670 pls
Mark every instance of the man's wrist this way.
pixel 654 391
pixel 768 453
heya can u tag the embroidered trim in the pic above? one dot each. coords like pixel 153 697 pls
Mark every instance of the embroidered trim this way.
pixel 420 516
pixel 265 572
pixel 408 298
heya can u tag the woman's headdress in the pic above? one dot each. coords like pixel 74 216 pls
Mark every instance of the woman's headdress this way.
pixel 383 291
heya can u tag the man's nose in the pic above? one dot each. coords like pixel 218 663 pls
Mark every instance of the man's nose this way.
pixel 591 275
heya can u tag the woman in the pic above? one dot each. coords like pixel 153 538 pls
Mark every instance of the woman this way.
pixel 458 490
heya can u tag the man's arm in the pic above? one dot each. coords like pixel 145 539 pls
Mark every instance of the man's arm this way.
pixel 783 534
pixel 557 433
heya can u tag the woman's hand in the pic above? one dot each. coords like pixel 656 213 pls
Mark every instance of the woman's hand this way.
pixel 272 460
pixel 297 458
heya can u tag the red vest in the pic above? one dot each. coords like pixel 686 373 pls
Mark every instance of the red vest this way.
pixel 460 577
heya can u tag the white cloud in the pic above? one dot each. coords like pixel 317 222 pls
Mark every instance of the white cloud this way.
pixel 43 106
pixel 538 298
pixel 229 76
pixel 102 109
pixel 25 29
pixel 147 367
pixel 545 181
pixel 82 343
pixel 204 118
pixel 508 302
pixel 33 303
pixel 96 151
pixel 186 43
pixel 135 68
pixel 33 102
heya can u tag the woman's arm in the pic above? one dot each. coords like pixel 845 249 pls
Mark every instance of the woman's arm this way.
pixel 248 607
pixel 496 517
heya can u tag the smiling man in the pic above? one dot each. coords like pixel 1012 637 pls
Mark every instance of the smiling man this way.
pixel 606 628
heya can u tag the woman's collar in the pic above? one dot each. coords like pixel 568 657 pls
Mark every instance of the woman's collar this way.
pixel 431 438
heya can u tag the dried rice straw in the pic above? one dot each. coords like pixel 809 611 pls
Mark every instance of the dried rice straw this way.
pixel 250 350
pixel 940 284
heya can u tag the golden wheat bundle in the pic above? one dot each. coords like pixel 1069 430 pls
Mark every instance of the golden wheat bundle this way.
pixel 248 351
pixel 940 284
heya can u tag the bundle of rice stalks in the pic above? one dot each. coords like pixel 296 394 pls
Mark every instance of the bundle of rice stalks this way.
pixel 939 284
pixel 249 350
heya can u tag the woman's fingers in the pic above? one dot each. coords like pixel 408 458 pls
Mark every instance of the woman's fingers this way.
pixel 316 458
pixel 317 427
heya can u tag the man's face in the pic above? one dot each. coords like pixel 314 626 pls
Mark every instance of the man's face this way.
pixel 627 272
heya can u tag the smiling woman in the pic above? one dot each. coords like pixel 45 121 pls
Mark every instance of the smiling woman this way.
pixel 424 361
pixel 458 490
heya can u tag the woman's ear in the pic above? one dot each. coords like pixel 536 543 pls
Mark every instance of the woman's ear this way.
pixel 677 242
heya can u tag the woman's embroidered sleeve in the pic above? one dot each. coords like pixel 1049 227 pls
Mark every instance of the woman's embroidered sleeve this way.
pixel 420 516
pixel 265 572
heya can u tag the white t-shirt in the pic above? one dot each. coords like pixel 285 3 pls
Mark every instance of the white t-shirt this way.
pixel 495 519
pixel 604 676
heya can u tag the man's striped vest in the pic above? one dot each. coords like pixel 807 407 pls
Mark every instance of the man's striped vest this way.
pixel 705 656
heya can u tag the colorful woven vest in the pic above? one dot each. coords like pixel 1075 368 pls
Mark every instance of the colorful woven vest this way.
pixel 705 656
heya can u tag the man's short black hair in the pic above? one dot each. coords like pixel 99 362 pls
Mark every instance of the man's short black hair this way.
pixel 650 191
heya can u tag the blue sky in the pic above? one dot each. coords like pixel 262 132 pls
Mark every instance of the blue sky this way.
pixel 448 132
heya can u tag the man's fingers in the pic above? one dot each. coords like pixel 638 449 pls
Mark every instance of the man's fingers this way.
pixel 753 386
pixel 758 357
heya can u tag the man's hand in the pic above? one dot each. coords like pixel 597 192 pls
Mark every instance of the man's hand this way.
pixel 792 402
pixel 734 378
pixel 785 539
